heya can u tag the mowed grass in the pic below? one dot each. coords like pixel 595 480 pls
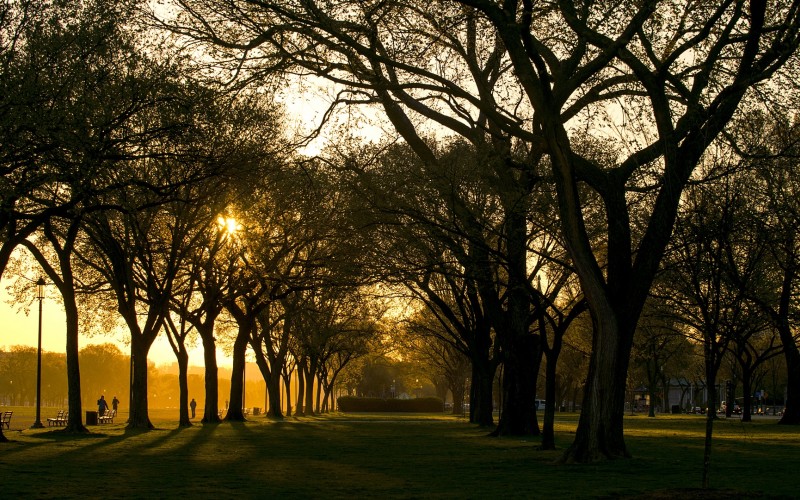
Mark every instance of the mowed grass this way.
pixel 391 456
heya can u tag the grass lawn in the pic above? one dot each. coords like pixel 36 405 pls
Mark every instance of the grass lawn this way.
pixel 368 455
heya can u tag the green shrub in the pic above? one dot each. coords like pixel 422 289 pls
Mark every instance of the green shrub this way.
pixel 418 405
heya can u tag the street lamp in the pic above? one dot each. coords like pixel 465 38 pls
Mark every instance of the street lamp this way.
pixel 39 295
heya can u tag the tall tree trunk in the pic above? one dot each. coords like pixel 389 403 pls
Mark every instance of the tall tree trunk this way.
pixel 75 418
pixel 550 390
pixel 319 394
pixel 211 410
pixel 481 402
pixel 139 414
pixel 238 377
pixel 183 383
pixel 522 355
pixel 600 427
pixel 66 286
pixel 309 376
pixel 327 390
pixel 301 387
pixel 272 379
pixel 287 383
pixel 274 394
pixel 520 373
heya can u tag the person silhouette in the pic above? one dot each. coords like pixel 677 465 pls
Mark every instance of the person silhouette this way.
pixel 193 405
pixel 102 406
pixel 114 404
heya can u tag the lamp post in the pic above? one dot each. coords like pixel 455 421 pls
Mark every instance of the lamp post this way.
pixel 39 295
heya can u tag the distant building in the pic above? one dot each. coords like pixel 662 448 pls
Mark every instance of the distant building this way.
pixel 687 394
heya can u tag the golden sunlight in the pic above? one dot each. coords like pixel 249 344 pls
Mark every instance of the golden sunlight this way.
pixel 228 224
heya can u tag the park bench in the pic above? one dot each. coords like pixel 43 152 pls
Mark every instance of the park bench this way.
pixel 59 419
pixel 6 419
pixel 107 417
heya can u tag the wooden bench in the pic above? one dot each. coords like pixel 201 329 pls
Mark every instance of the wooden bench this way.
pixel 59 419
pixel 107 417
pixel 6 419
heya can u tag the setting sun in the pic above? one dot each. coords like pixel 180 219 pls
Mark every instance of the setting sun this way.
pixel 228 224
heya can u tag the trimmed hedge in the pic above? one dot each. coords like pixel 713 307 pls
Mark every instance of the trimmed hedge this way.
pixel 417 405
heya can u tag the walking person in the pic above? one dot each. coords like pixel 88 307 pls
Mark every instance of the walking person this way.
pixel 114 404
pixel 102 406
pixel 193 406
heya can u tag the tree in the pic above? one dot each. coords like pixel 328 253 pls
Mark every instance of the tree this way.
pixel 439 233
pixel 292 245
pixel 105 371
pixel 438 351
pixel 698 282
pixel 341 321
pixel 658 342
pixel 494 74
pixel 207 280
pixel 143 237
pixel 768 145
pixel 177 335
pixel 30 41
pixel 101 97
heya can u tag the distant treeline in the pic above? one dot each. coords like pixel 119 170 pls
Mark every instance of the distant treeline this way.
pixel 104 370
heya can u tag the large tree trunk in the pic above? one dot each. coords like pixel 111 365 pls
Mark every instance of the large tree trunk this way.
pixel 600 428
pixel 75 419
pixel 272 378
pixel 237 377
pixel 274 395
pixel 319 394
pixel 520 373
pixel 522 351
pixel 481 401
pixel 550 390
pixel 139 414
pixel 66 286
pixel 299 410
pixel 211 410
pixel 183 384
pixel 309 376
pixel 287 383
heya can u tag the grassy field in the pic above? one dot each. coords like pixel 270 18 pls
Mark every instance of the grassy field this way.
pixel 390 456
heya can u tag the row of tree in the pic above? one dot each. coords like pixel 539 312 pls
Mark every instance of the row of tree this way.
pixel 549 187
pixel 608 110
pixel 152 200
